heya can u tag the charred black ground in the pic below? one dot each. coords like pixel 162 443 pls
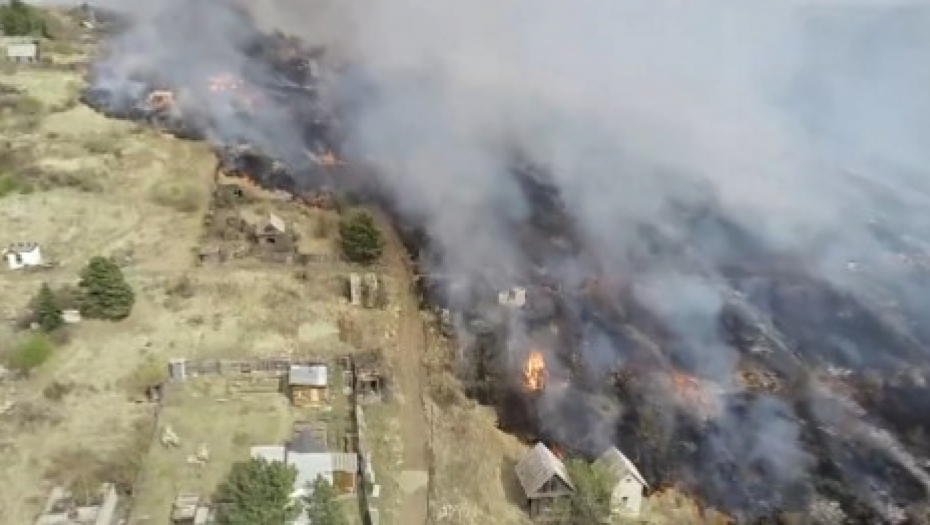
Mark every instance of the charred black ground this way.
pixel 835 367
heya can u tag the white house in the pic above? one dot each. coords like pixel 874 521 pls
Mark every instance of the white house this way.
pixel 628 484
pixel 23 255
pixel 21 49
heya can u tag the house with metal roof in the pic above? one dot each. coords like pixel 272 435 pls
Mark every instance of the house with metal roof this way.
pixel 628 484
pixel 545 482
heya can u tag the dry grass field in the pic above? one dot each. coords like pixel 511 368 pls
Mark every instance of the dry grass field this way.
pixel 84 185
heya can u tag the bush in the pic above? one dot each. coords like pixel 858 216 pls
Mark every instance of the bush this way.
pixel 46 310
pixel 105 294
pixel 8 184
pixel 322 507
pixel 183 196
pixel 257 491
pixel 30 354
pixel 19 19
pixel 361 240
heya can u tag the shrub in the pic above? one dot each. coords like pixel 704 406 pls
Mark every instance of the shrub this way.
pixel 361 240
pixel 8 184
pixel 183 196
pixel 321 504
pixel 257 491
pixel 19 19
pixel 46 310
pixel 105 294
pixel 30 354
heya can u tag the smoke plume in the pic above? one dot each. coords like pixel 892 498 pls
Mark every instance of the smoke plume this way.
pixel 769 155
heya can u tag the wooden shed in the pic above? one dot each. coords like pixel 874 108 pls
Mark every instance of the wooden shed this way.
pixel 545 482
pixel 308 385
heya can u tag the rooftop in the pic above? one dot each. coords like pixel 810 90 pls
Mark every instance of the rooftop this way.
pixel 537 467
pixel 313 375
pixel 618 465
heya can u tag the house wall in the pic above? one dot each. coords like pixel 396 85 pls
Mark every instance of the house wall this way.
pixel 627 497
pixel 22 52
pixel 306 395
pixel 18 260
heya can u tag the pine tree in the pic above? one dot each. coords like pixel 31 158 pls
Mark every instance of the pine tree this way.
pixel 322 507
pixel 361 239
pixel 46 310
pixel 257 492
pixel 105 294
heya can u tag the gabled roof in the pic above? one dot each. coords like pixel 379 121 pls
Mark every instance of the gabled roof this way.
pixel 618 466
pixel 273 222
pixel 537 467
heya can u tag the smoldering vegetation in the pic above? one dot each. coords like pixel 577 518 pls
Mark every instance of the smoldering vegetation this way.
pixel 711 219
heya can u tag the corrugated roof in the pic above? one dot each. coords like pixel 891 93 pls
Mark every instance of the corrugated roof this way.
pixel 537 467
pixel 345 462
pixel 314 375
pixel 269 453
pixel 618 465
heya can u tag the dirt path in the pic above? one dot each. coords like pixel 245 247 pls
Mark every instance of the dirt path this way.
pixel 409 372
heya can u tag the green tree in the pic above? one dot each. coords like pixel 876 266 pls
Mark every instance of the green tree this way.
pixel 105 294
pixel 46 310
pixel 322 507
pixel 590 503
pixel 257 492
pixel 361 239
pixel 19 19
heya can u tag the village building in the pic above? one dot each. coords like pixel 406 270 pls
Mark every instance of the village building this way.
pixel 23 255
pixel 272 231
pixel 63 508
pixel 190 509
pixel 308 385
pixel 545 482
pixel 514 297
pixel 21 50
pixel 369 377
pixel 355 289
pixel 340 469
pixel 627 483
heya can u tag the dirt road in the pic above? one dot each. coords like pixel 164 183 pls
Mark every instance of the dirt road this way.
pixel 406 360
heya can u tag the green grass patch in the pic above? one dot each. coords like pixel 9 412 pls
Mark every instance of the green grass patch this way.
pixel 183 196
pixel 30 353
pixel 9 184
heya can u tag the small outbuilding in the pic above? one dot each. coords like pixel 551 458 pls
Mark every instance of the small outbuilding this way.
pixel 22 50
pixel 308 385
pixel 545 482
pixel 23 255
pixel 627 483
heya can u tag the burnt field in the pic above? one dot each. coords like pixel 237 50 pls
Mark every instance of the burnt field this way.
pixel 744 373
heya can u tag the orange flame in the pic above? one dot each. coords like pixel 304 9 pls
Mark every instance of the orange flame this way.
pixel 534 372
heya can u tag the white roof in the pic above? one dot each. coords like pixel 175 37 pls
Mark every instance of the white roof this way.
pixel 618 465
pixel 309 465
pixel 272 453
pixel 313 375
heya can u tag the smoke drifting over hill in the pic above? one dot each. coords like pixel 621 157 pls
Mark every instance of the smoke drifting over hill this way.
pixel 764 158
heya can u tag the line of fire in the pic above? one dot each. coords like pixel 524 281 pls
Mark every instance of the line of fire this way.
pixel 547 350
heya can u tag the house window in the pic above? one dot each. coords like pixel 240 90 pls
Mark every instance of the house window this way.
pixel 18 258
pixel 624 501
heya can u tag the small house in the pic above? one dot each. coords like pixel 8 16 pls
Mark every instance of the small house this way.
pixel 189 509
pixel 63 508
pixel 545 482
pixel 338 468
pixel 627 483
pixel 21 50
pixel 514 297
pixel 23 255
pixel 308 385
pixel 272 231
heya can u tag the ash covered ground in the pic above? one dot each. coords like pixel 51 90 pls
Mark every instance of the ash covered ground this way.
pixel 718 212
